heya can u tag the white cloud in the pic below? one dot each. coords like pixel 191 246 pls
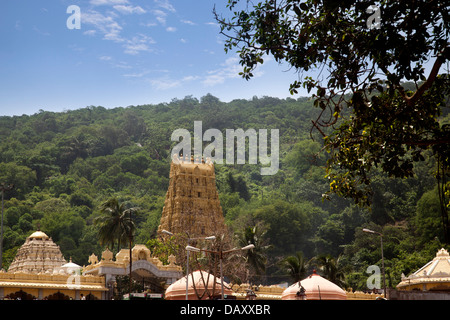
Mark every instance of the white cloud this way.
pixel 189 22
pixel 43 33
pixel 228 70
pixel 164 84
pixel 136 75
pixel 121 65
pixel 90 32
pixel 137 44
pixel 162 9
pixel 165 4
pixel 190 78
pixel 129 9
pixel 213 24
pixel 107 2
pixel 160 16
pixel 149 24
pixel 167 83
pixel 104 24
pixel 18 25
pixel 171 29
pixel 111 30
pixel 114 63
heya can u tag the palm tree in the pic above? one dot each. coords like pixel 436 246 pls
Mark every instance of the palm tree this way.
pixel 296 266
pixel 116 224
pixel 332 269
pixel 256 258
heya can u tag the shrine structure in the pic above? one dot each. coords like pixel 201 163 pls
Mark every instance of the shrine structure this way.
pixel 40 272
pixel 433 276
pixel 192 203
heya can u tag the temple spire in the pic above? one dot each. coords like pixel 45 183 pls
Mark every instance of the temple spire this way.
pixel 192 203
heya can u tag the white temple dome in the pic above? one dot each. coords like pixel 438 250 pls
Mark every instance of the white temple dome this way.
pixel 202 288
pixel 316 288
pixel 38 235
pixel 70 268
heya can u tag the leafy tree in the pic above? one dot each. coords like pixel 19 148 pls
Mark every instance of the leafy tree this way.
pixel 22 177
pixel 135 164
pixel 26 222
pixel 79 198
pixel 304 155
pixel 114 223
pixel 287 225
pixel 368 119
pixel 238 185
pixel 332 269
pixel 296 266
pixel 427 219
pixel 163 249
pixel 330 236
pixel 59 221
pixel 256 258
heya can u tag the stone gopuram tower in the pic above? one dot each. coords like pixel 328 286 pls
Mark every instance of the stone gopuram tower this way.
pixel 192 203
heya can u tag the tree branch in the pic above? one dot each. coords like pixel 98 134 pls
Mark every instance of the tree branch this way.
pixel 428 83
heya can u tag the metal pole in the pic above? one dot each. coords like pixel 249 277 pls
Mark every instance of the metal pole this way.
pixel 382 265
pixel 187 257
pixel 187 272
pixel 382 257
pixel 131 258
pixel 221 273
pixel 220 253
pixel 1 237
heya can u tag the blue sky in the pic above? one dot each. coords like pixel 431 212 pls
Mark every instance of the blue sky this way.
pixel 126 52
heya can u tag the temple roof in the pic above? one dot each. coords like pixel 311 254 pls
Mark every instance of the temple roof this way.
pixel 435 271
pixel 316 288
pixel 39 254
pixel 200 280
pixel 441 263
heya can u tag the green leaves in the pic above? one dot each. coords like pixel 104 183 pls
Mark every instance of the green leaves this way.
pixel 383 126
pixel 115 223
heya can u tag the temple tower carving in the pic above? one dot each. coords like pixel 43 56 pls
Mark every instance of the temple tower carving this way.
pixel 192 203
pixel 39 254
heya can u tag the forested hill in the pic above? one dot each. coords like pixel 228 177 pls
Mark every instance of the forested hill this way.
pixel 64 165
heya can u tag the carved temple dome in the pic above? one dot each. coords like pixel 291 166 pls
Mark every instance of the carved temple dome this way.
pixel 39 254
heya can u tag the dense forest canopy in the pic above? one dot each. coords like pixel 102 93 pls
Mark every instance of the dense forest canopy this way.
pixel 65 165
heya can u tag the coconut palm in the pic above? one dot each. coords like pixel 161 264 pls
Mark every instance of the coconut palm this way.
pixel 331 269
pixel 116 224
pixel 256 257
pixel 296 266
